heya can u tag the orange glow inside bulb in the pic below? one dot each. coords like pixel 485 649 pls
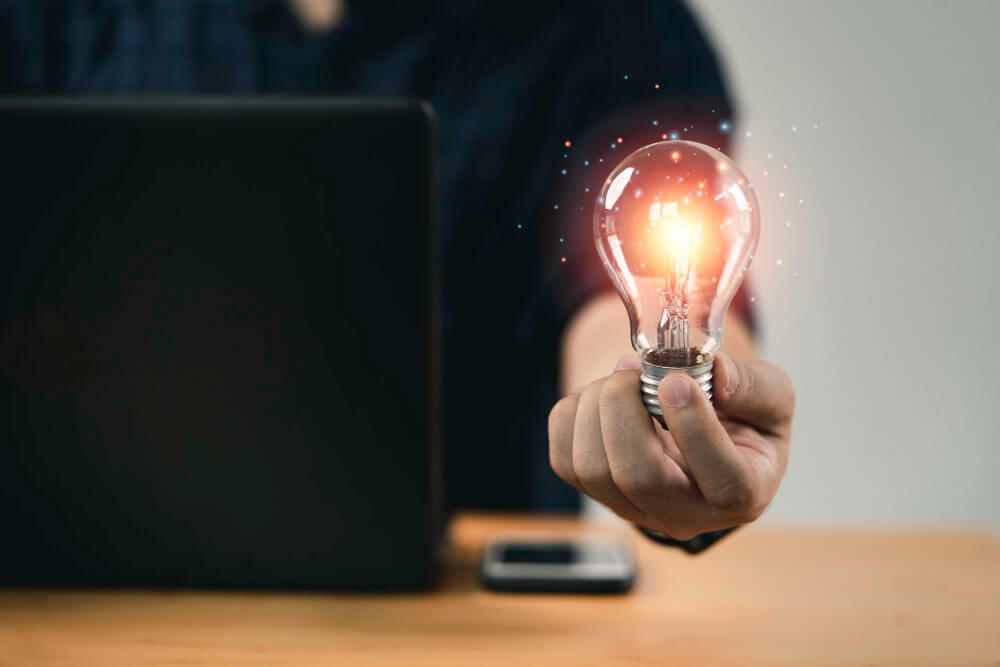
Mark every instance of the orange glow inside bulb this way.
pixel 679 237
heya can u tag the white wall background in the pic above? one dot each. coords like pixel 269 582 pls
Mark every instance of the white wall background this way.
pixel 891 329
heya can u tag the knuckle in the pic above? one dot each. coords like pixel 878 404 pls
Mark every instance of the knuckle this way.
pixel 675 528
pixel 614 394
pixel 735 497
pixel 753 514
pixel 637 481
pixel 591 475
pixel 592 478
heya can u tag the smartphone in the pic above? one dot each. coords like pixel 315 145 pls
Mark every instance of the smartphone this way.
pixel 600 564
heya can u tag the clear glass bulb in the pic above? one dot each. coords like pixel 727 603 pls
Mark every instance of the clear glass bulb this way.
pixel 676 225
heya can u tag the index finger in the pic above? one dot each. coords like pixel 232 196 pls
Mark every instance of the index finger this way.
pixel 723 474
pixel 754 391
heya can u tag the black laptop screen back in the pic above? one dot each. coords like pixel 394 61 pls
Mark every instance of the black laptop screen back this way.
pixel 217 354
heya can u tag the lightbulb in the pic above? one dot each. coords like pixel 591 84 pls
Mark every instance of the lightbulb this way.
pixel 676 225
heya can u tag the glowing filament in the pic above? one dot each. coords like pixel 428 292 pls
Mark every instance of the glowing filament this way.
pixel 680 239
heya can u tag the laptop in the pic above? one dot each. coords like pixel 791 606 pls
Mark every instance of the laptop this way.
pixel 218 362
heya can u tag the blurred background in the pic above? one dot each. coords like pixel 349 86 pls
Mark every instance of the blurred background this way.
pixel 878 293
pixel 867 130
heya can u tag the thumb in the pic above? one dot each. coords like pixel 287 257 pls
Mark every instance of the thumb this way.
pixel 753 391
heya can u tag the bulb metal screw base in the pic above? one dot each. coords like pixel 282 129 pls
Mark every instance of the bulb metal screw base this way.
pixel 653 374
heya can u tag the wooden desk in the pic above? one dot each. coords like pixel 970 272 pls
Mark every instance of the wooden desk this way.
pixel 763 597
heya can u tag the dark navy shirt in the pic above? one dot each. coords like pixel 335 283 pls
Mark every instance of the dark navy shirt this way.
pixel 511 83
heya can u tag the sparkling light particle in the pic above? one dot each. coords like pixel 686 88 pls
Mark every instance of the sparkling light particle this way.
pixel 564 172
pixel 567 143
pixel 562 240
pixel 675 156
pixel 663 136
pixel 795 128
pixel 724 126
pixel 655 123
pixel 619 140
pixel 788 223
pixel 779 262
pixel 781 194
pixel 555 206
pixel 586 163
pixel 656 85
pixel 748 133
pixel 562 259
pixel 520 226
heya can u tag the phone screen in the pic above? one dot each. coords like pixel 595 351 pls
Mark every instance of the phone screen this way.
pixel 555 553
pixel 595 565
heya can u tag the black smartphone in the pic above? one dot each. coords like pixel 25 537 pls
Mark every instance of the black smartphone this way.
pixel 601 564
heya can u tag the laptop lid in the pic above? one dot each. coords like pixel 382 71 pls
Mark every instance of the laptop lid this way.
pixel 217 343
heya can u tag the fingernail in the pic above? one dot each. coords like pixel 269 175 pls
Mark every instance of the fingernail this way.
pixel 628 362
pixel 675 392
pixel 732 375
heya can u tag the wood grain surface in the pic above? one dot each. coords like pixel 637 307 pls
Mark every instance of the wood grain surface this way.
pixel 761 597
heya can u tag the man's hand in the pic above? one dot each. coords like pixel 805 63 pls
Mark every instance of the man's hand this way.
pixel 718 465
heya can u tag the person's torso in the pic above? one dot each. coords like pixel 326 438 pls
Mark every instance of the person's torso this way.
pixel 509 84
